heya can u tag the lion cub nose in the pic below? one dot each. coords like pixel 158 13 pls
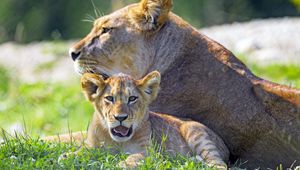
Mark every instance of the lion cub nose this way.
pixel 121 117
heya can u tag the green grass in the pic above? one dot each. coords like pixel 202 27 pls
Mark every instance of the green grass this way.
pixel 284 74
pixel 46 108
pixel 36 154
pixel 27 153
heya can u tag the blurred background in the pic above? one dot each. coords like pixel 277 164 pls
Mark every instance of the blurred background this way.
pixel 40 93
pixel 34 20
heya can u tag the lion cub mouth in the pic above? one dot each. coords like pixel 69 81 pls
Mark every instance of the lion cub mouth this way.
pixel 121 131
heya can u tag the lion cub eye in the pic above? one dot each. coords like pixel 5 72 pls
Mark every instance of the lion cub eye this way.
pixel 132 99
pixel 109 98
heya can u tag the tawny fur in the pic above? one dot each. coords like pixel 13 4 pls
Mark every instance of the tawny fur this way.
pixel 180 136
pixel 201 80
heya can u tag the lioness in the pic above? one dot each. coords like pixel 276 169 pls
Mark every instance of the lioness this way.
pixel 258 120
pixel 122 120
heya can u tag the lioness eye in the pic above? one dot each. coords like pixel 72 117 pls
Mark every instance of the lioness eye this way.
pixel 132 99
pixel 105 30
pixel 109 98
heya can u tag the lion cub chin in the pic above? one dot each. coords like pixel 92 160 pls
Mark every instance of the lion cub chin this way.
pixel 122 121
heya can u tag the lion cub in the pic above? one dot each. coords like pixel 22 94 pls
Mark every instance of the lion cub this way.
pixel 122 121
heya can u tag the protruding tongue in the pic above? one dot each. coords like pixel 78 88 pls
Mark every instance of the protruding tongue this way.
pixel 121 130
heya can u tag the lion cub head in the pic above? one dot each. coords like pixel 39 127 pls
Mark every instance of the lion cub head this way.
pixel 120 101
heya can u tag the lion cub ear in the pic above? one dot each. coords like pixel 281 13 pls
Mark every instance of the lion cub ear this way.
pixel 150 85
pixel 92 85
pixel 151 14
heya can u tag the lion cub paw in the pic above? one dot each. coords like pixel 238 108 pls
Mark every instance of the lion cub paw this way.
pixel 128 164
pixel 65 156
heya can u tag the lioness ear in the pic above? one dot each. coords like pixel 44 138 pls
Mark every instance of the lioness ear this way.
pixel 151 14
pixel 150 85
pixel 92 85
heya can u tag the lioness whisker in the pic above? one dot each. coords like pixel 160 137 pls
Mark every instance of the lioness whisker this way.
pixel 87 20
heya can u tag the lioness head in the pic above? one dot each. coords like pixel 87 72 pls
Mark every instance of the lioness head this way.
pixel 119 42
pixel 120 101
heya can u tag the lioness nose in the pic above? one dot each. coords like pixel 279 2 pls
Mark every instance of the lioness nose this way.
pixel 121 117
pixel 74 54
